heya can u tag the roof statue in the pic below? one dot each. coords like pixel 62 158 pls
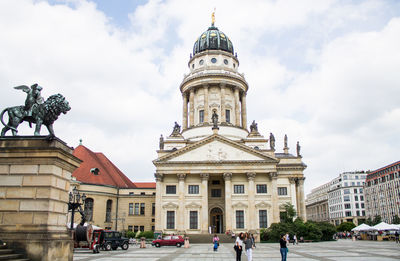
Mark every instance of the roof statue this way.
pixel 161 142
pixel 272 141
pixel 298 147
pixel 285 142
pixel 35 110
pixel 253 127
pixel 214 119
pixel 213 18
pixel 176 131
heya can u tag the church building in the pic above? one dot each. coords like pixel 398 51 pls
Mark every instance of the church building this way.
pixel 213 174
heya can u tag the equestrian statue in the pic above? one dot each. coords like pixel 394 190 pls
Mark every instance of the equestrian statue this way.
pixel 35 110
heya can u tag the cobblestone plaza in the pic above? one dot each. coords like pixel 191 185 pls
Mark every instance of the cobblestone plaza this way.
pixel 341 250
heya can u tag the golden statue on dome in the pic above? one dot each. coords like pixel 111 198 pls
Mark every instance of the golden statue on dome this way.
pixel 213 18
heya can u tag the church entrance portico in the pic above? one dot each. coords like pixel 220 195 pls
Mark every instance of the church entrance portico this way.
pixel 216 221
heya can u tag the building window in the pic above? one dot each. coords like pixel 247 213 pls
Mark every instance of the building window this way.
pixel 143 193
pixel 152 228
pixel 347 206
pixel 130 208
pixel 348 213
pixel 135 229
pixel 142 207
pixel 130 228
pixel 193 220
pixel 193 189
pixel 215 182
pixel 131 193
pixel 362 205
pixel 228 115
pixel 346 198
pixel 358 213
pixel 262 216
pixel 136 208
pixel 239 219
pixel 108 210
pixel 238 189
pixel 357 205
pixel 361 190
pixel 215 193
pixel 201 116
pixel 153 209
pixel 89 209
pixel 356 198
pixel 171 189
pixel 282 191
pixel 345 184
pixel 361 198
pixel 170 219
pixel 355 191
pixel 261 188
pixel 153 220
pixel 141 228
pixel 346 191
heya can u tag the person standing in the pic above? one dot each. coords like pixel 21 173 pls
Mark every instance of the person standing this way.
pixel 396 235
pixel 239 247
pixel 283 248
pixel 248 243
pixel 254 240
pixel 216 242
pixel 295 239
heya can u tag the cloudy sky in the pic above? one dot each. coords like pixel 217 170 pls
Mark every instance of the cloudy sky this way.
pixel 326 73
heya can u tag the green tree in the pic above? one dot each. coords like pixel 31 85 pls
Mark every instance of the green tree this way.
pixel 369 221
pixel 377 220
pixel 288 215
pixel 327 230
pixel 396 219
pixel 345 226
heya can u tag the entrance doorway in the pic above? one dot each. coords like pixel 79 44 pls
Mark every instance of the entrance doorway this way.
pixel 216 221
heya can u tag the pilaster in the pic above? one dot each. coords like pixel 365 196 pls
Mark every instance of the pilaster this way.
pixel 191 110
pixel 251 197
pixel 274 197
pixel 228 201
pixel 223 116
pixel 204 202
pixel 181 210
pixel 184 111
pixel 237 104
pixel 206 109
pixel 244 111
pixel 159 191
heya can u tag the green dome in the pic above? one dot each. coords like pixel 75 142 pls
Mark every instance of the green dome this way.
pixel 213 39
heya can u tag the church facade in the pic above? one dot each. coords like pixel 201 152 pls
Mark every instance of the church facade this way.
pixel 213 175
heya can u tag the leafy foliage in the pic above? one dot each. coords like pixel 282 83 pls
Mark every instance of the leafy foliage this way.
pixel 130 234
pixel 288 215
pixel 396 219
pixel 146 234
pixel 345 226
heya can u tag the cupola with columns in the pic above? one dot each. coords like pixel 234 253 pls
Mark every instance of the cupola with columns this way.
pixel 214 84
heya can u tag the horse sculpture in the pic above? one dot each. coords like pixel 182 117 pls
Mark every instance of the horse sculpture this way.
pixel 46 113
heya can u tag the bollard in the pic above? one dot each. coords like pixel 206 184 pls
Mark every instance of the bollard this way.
pixel 186 242
pixel 142 242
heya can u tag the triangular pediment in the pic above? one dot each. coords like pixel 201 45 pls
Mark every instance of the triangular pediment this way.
pixel 239 205
pixel 216 148
pixel 170 205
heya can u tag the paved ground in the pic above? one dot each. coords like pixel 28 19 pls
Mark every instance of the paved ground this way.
pixel 341 250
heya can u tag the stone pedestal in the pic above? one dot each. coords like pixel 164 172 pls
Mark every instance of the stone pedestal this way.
pixel 35 177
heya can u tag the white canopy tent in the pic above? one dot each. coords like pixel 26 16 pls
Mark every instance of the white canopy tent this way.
pixel 385 226
pixel 362 227
pixel 75 224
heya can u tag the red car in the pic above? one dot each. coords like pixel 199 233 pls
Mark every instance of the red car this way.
pixel 169 241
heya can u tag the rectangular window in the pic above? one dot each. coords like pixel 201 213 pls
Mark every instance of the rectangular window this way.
pixel 363 212
pixel 361 190
pixel 228 115
pixel 193 189
pixel 130 208
pixel 131 193
pixel 282 191
pixel 215 182
pixel 215 193
pixel 141 228
pixel 170 219
pixel 201 116
pixel 361 198
pixel 347 206
pixel 193 220
pixel 346 191
pixel 239 219
pixel 262 215
pixel 153 209
pixel 170 189
pixel 355 191
pixel 136 208
pixel 345 184
pixel 356 198
pixel 130 228
pixel 142 206
pixel 357 205
pixel 362 205
pixel 238 189
pixel 261 188
pixel 358 213
pixel 135 229
pixel 143 193
pixel 348 213
pixel 152 228
pixel 346 198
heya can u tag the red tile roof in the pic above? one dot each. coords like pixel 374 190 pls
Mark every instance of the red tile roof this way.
pixel 145 184
pixel 108 174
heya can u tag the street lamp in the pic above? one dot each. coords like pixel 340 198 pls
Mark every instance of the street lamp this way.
pixel 74 202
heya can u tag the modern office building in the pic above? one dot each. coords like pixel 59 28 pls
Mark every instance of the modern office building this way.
pixel 382 192
pixel 317 204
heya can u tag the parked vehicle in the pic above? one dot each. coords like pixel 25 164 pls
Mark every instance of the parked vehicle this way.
pixel 169 241
pixel 113 240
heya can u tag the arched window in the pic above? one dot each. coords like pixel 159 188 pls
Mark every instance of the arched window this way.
pixel 89 202
pixel 108 210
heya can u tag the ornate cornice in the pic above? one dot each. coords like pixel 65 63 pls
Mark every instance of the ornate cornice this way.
pixel 263 204
pixel 170 205
pixel 239 205
pixel 192 205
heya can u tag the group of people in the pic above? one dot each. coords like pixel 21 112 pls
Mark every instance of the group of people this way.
pixel 246 241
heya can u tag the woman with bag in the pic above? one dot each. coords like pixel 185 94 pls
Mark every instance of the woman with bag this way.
pixel 216 242
pixel 248 242
pixel 239 247
pixel 284 249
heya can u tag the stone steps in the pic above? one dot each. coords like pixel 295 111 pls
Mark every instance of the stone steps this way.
pixel 207 238
pixel 8 254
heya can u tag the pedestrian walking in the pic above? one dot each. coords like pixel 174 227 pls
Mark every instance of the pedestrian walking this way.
pixel 254 240
pixel 216 242
pixel 284 249
pixel 239 247
pixel 248 243
pixel 295 239
pixel 396 236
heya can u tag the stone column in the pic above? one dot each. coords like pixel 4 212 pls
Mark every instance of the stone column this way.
pixel 159 192
pixel 298 207
pixel 184 112
pixel 237 104
pixel 244 113
pixel 228 201
pixel 35 176
pixel 223 117
pixel 206 109
pixel 191 110
pixel 274 197
pixel 252 209
pixel 301 198
pixel 181 210
pixel 204 202
pixel 293 193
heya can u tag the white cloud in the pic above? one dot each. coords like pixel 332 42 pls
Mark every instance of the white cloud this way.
pixel 325 73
